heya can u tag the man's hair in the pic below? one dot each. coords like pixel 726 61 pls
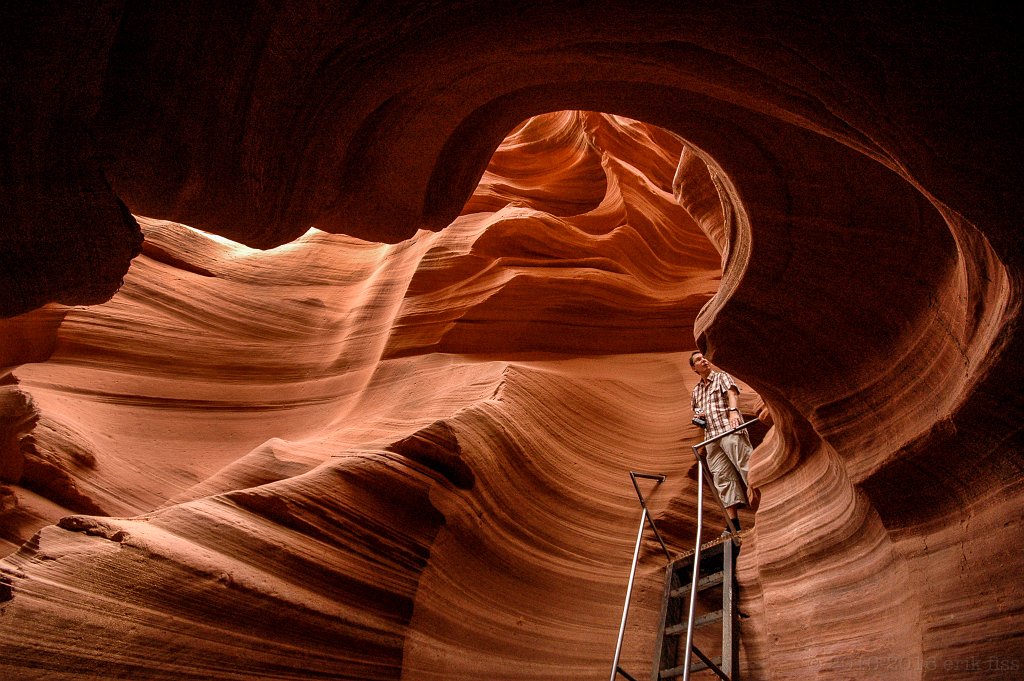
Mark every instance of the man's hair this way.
pixel 692 355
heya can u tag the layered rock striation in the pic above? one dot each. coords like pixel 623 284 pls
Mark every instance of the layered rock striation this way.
pixel 396 445
pixel 243 429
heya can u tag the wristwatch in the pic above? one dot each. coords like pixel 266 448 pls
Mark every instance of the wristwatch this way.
pixel 733 409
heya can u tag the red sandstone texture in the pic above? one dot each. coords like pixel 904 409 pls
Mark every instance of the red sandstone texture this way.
pixel 396 445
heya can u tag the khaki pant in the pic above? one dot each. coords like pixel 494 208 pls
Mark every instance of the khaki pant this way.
pixel 728 460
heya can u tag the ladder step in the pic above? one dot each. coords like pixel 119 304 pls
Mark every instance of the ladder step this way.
pixel 710 550
pixel 704 583
pixel 677 629
pixel 697 666
pixel 715 616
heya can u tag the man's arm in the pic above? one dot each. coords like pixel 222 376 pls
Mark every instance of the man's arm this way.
pixel 733 395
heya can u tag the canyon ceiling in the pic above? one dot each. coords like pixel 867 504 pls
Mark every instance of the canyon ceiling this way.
pixel 330 332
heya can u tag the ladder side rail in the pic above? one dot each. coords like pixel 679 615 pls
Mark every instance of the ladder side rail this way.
pixel 663 648
pixel 730 608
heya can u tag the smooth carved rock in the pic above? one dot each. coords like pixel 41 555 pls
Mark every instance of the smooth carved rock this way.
pixel 409 460
pixel 220 381
pixel 257 123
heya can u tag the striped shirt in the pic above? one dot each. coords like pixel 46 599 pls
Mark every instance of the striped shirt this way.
pixel 711 402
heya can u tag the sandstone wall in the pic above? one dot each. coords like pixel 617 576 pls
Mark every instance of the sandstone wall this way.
pixel 397 445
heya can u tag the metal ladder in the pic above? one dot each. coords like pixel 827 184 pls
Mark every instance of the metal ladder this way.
pixel 716 573
pixel 720 573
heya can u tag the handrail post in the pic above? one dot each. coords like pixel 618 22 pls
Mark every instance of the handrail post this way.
pixel 633 475
pixel 696 573
pixel 700 529
pixel 645 517
pixel 629 593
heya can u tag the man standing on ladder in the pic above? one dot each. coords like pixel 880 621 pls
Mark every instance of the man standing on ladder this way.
pixel 715 402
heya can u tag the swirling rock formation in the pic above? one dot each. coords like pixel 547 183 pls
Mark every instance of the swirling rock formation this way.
pixel 250 419
pixel 396 445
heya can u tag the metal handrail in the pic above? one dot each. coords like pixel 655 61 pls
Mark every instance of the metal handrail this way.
pixel 696 551
pixel 707 473
pixel 633 475
pixel 644 519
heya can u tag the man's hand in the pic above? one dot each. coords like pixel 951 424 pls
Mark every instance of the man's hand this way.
pixel 734 419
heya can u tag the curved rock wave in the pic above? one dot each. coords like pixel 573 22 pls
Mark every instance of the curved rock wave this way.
pixel 257 422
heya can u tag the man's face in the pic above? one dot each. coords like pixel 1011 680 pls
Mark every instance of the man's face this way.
pixel 701 365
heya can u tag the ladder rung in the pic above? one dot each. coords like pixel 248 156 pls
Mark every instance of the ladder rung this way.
pixel 695 667
pixel 715 616
pixel 709 549
pixel 677 629
pixel 711 580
